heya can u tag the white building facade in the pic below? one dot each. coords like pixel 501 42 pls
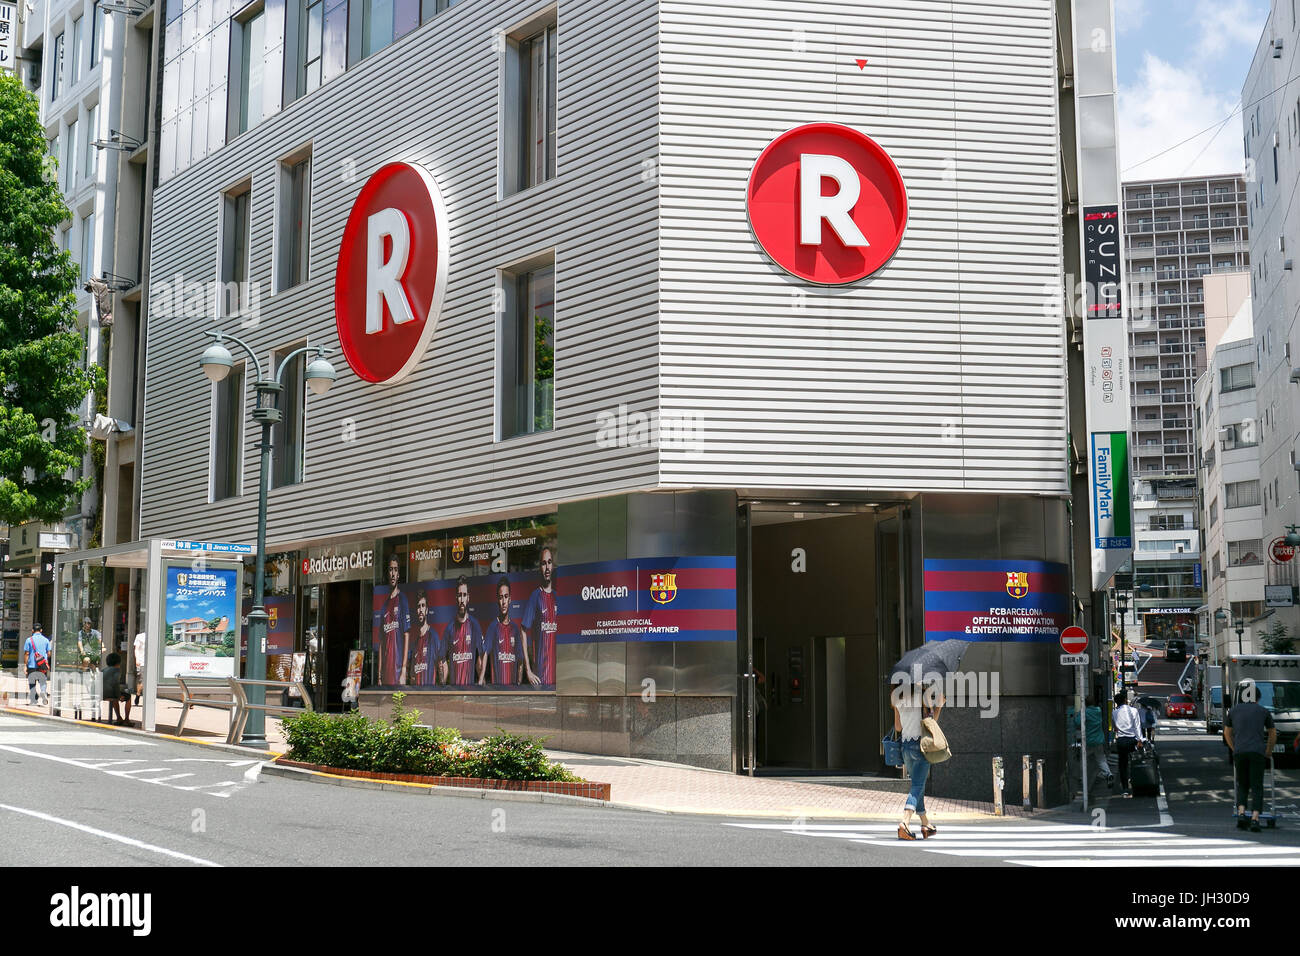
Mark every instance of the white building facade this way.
pixel 1271 138
pixel 1235 555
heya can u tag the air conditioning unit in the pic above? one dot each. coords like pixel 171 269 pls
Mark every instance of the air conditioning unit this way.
pixel 1287 264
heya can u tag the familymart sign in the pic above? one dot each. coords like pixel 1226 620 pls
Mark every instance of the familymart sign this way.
pixel 1112 507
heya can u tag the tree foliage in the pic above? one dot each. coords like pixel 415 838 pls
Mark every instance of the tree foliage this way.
pixel 43 379
pixel 1276 640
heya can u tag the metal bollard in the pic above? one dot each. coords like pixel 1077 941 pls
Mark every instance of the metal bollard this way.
pixel 1042 802
pixel 999 781
pixel 1024 782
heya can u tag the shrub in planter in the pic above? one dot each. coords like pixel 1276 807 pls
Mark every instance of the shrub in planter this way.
pixel 352 741
pixel 504 756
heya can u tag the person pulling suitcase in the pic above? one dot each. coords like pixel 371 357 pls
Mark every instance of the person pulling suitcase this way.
pixel 1128 736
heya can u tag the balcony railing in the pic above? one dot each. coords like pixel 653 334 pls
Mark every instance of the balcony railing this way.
pixel 1146 375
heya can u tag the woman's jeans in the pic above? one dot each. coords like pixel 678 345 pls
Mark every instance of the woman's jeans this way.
pixel 918 769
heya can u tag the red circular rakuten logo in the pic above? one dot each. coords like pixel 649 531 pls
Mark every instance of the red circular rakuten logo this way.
pixel 392 273
pixel 827 204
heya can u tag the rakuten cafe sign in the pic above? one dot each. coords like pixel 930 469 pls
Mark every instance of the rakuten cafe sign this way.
pixel 352 561
pixel 391 275
pixel 827 204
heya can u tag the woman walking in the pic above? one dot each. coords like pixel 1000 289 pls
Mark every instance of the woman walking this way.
pixel 909 710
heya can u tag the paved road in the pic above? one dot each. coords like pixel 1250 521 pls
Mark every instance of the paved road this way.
pixel 69 796
pixel 77 796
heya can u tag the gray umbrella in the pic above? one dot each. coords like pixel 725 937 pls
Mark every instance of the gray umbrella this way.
pixel 933 657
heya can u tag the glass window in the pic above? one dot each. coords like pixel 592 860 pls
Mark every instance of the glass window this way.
pixel 70 158
pixel 1239 435
pixel 87 246
pixel 528 353
pixel 1214 510
pixel 539 99
pixel 1245 553
pixel 1235 377
pixel 295 220
pixel 227 435
pixel 236 224
pixel 92 134
pixel 250 73
pixel 287 436
pixel 77 40
pixel 56 68
pixel 97 36
pixel 311 28
pixel 376 25
pixel 531 115
pixel 1241 494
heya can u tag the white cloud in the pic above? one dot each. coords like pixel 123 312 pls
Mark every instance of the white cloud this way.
pixel 1227 23
pixel 1130 14
pixel 1166 106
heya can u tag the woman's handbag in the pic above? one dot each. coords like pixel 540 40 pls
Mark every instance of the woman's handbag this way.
pixel 893 750
pixel 934 745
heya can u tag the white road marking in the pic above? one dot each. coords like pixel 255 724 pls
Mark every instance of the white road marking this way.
pixel 250 775
pixel 129 841
pixel 1055 844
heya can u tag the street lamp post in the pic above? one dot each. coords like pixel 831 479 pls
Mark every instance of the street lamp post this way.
pixel 1122 599
pixel 216 363
pixel 1240 628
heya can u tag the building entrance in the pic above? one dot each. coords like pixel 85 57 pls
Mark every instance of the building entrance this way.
pixel 825 597
pixel 336 618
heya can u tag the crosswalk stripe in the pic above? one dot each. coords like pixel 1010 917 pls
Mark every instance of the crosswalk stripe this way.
pixel 1055 844
pixel 1107 852
pixel 1221 862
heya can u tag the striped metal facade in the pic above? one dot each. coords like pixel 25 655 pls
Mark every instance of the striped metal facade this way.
pixel 945 371
pixel 424 450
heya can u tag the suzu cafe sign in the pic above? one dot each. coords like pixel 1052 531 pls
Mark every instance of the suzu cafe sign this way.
pixel 827 203
pixel 392 273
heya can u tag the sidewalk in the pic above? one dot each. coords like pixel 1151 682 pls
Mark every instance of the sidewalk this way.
pixel 203 725
pixel 640 784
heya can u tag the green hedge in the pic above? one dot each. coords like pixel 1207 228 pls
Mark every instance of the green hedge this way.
pixel 352 741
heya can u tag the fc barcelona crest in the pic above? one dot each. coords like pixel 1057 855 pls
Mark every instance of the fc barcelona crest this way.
pixel 272 616
pixel 458 549
pixel 663 587
pixel 1017 584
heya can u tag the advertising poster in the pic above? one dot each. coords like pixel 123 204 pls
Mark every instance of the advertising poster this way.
pixel 1021 601
pixel 200 620
pixel 280 612
pixel 648 599
pixel 481 611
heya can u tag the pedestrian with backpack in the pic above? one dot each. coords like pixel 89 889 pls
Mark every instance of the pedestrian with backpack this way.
pixel 37 650
pixel 1149 721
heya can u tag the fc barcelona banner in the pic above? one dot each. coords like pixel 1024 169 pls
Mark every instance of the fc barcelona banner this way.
pixel 1022 601
pixel 648 599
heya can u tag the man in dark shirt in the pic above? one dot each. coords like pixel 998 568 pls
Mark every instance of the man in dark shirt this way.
pixel 1249 733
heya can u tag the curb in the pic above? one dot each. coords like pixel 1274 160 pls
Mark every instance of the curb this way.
pixel 399 786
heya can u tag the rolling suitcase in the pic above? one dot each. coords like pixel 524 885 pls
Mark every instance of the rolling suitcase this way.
pixel 1144 772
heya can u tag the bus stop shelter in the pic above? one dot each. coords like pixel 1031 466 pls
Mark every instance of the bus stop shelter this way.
pixel 183 596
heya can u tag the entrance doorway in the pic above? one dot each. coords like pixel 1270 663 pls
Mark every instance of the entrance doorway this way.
pixel 825 595
pixel 334 617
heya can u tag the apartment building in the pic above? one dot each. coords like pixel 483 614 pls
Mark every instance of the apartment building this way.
pixel 1177 232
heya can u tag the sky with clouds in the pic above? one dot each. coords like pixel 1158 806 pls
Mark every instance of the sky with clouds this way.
pixel 1181 65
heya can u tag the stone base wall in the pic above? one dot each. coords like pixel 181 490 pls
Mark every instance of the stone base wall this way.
pixel 688 730
pixel 1024 725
